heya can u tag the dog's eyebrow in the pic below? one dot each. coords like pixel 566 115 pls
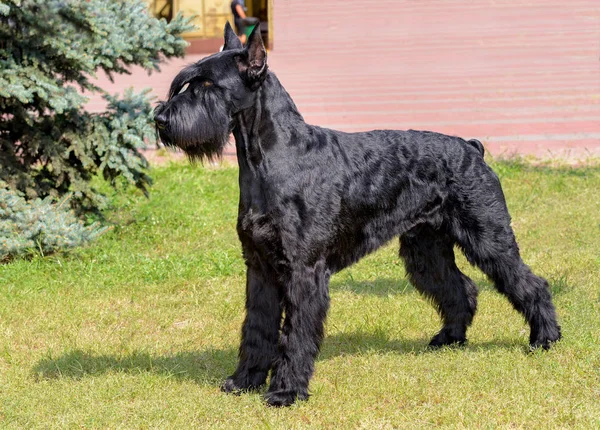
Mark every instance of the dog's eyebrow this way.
pixel 186 75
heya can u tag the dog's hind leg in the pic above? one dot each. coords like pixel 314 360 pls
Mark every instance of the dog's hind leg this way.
pixel 496 253
pixel 481 227
pixel 260 333
pixel 306 300
pixel 428 256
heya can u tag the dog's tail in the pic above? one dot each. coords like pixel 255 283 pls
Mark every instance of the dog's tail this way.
pixel 477 145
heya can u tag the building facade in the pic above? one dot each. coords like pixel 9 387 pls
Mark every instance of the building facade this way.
pixel 210 16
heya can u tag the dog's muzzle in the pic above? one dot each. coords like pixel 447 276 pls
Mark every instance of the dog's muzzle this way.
pixel 160 119
pixel 160 116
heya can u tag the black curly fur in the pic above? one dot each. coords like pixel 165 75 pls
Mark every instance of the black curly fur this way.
pixel 314 201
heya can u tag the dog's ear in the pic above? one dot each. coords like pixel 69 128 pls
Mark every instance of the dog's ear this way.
pixel 231 40
pixel 253 64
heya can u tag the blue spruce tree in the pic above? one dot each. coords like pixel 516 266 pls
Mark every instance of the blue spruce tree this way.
pixel 50 146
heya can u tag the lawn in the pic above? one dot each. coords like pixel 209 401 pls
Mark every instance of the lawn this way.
pixel 139 329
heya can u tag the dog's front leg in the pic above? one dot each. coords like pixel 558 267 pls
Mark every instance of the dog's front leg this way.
pixel 260 332
pixel 306 301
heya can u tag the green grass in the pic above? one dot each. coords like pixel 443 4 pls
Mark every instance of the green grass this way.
pixel 139 329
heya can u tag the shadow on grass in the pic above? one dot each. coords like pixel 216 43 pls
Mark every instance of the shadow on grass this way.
pixel 377 287
pixel 377 343
pixel 208 367
pixel 212 366
pixel 368 343
pixel 385 286
pixel 390 286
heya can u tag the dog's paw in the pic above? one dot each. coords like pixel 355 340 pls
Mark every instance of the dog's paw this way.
pixel 238 383
pixel 443 338
pixel 235 386
pixel 545 340
pixel 230 386
pixel 284 397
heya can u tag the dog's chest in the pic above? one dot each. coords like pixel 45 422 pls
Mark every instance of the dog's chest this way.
pixel 260 237
pixel 257 226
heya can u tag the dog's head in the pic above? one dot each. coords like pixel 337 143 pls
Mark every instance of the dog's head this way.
pixel 205 96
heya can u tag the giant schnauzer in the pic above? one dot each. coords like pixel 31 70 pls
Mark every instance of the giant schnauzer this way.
pixel 314 201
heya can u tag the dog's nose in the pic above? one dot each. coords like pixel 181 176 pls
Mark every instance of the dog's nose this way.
pixel 161 120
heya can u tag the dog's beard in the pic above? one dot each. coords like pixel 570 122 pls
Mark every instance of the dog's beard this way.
pixel 200 132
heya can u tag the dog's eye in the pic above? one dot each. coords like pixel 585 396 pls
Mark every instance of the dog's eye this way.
pixel 185 87
pixel 206 83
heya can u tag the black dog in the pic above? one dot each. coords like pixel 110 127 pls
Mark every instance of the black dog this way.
pixel 314 201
